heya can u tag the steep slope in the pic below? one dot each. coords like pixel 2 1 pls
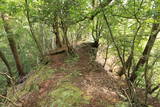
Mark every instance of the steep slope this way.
pixel 69 81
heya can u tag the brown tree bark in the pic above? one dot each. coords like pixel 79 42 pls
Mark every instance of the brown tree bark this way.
pixel 56 32
pixel 154 32
pixel 2 56
pixel 65 38
pixel 12 45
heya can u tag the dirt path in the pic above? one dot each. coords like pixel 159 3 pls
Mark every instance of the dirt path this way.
pixel 100 87
pixel 93 79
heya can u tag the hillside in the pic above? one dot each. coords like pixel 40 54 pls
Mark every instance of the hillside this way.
pixel 70 81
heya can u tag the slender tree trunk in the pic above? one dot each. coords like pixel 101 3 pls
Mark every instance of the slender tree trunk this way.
pixel 95 35
pixel 154 89
pixel 58 42
pixel 65 38
pixel 31 29
pixel 67 41
pixel 12 45
pixel 106 57
pixel 147 50
pixel 56 32
pixel 2 56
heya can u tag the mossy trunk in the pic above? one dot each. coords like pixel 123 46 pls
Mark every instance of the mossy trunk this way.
pixel 12 45
pixel 55 26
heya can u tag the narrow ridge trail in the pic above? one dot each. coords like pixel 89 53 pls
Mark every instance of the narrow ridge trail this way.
pixel 86 81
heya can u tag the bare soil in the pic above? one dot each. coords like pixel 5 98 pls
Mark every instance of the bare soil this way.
pixel 96 82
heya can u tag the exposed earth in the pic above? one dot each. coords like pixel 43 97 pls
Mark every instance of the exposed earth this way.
pixel 71 81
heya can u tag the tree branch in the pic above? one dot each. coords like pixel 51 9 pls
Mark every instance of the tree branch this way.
pixel 95 12
pixel 154 89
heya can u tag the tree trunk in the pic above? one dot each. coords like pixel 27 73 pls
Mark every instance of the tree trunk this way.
pixel 58 42
pixel 6 62
pixel 147 50
pixel 56 32
pixel 154 89
pixel 65 39
pixel 31 29
pixel 12 45
pixel 2 56
pixel 70 50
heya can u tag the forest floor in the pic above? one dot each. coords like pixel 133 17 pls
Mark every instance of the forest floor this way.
pixel 68 81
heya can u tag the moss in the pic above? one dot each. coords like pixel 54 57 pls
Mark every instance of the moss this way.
pixel 34 87
pixel 65 95
pixel 32 83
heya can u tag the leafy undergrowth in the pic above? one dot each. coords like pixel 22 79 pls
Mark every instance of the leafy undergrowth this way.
pixel 69 82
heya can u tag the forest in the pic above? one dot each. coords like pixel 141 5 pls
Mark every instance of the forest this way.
pixel 79 53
